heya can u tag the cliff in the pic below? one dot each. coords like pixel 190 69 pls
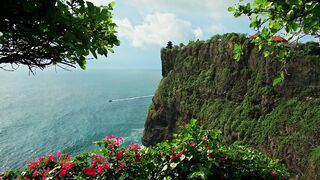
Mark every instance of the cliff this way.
pixel 202 81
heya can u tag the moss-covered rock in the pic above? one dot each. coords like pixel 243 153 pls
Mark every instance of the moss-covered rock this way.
pixel 202 81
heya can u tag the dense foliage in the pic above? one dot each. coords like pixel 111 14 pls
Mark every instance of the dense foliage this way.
pixel 192 154
pixel 39 33
pixel 293 18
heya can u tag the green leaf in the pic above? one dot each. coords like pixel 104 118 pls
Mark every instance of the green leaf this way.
pixel 113 3
pixel 237 52
pixel 266 53
pixel 278 80
pixel 231 8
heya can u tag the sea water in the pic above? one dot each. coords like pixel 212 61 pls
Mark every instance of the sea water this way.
pixel 67 111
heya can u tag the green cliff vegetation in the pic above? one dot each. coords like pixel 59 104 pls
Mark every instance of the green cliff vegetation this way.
pixel 201 80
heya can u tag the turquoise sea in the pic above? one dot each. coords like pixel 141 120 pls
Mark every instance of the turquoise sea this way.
pixel 67 111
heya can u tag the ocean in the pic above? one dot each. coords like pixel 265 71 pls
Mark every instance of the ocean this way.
pixel 67 111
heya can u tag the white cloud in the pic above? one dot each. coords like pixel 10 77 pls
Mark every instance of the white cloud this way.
pixel 100 2
pixel 216 9
pixel 157 29
pixel 215 29
pixel 198 33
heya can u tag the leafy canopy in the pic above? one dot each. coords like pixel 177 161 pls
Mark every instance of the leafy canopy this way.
pixel 39 33
pixel 294 18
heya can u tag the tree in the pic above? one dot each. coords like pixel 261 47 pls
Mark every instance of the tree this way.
pixel 295 18
pixel 169 45
pixel 40 33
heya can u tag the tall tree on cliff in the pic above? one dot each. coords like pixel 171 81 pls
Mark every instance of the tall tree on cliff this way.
pixel 294 18
pixel 40 33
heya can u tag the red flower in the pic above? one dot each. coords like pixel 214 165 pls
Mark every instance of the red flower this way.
pixel 26 178
pixel 172 157
pixel 193 144
pixel 274 174
pixel 67 156
pixel 62 172
pixel 50 158
pixel 90 171
pixel 206 138
pixel 97 159
pixel 180 153
pixel 106 165
pixel 45 173
pixel 35 174
pixel 121 166
pixel 207 148
pixel 68 166
pixel 209 156
pixel 100 168
pixel 119 155
pixel 138 157
pixel 32 165
pixel 59 155
pixel 222 157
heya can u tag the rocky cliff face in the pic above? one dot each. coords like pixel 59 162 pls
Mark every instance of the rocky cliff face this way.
pixel 202 81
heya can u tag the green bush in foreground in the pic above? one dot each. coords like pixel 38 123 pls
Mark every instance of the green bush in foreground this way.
pixel 193 153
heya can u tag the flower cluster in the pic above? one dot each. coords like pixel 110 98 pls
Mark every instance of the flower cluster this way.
pixel 192 153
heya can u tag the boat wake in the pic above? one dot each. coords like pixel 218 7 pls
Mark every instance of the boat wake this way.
pixel 131 98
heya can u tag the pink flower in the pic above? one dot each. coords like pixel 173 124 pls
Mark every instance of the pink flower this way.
pixel 206 138
pixel 35 174
pixel 100 168
pixel 110 145
pixel 209 156
pixel 26 178
pixel 59 155
pixel 40 159
pixel 90 171
pixel 118 141
pixel 62 172
pixel 109 137
pixel 207 148
pixel 193 144
pixel 172 157
pixel 134 146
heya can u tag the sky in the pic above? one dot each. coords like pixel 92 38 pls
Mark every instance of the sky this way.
pixel 145 26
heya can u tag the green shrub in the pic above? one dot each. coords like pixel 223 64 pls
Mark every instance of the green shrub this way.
pixel 193 153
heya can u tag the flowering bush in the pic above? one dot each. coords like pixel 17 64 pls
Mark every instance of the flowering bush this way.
pixel 193 153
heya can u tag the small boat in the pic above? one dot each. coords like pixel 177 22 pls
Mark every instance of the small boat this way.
pixel 110 100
